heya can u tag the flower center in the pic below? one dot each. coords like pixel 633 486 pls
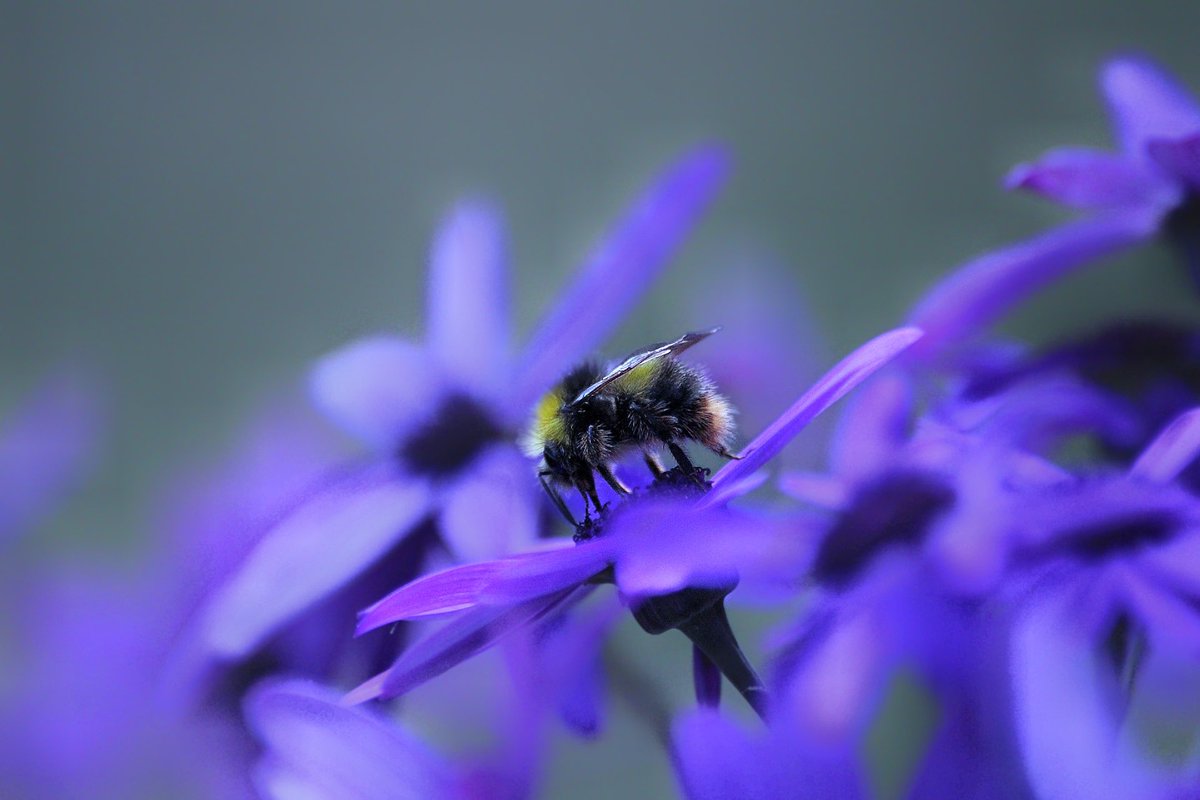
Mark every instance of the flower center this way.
pixel 1099 541
pixel 459 430
pixel 897 508
pixel 1182 229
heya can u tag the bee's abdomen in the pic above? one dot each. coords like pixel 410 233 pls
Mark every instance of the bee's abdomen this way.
pixel 680 403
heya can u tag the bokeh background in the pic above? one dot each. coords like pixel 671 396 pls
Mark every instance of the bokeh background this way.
pixel 199 200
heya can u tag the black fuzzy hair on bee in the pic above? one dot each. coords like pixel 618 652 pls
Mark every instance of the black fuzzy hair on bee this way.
pixel 594 417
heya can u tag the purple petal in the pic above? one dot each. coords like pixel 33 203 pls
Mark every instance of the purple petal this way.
pixel 318 748
pixel 1083 178
pixel 984 289
pixel 662 547
pixel 816 489
pixel 1175 447
pixel 835 687
pixel 717 758
pixel 467 634
pixel 1179 157
pixel 375 388
pixel 1064 717
pixel 1146 103
pixel 848 373
pixel 620 270
pixel 873 427
pixel 468 296
pixel 326 541
pixel 47 445
pixel 491 583
pixel 1175 564
pixel 492 509
pixel 572 651
pixel 1168 620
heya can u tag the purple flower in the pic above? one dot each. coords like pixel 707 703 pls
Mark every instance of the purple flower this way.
pixel 653 548
pixel 1122 582
pixel 439 416
pixel 48 445
pixel 78 710
pixel 1146 189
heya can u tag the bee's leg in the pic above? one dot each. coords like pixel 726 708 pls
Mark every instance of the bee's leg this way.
pixel 681 458
pixel 656 467
pixel 559 503
pixel 723 452
pixel 587 487
pixel 612 480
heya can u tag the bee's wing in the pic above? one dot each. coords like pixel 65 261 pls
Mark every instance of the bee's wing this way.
pixel 654 351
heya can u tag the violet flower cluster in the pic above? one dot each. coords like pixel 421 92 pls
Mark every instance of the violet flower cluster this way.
pixel 989 588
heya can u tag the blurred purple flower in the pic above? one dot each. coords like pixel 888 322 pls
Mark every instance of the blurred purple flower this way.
pixel 1148 188
pixel 943 530
pixel 48 445
pixel 439 416
pixel 1130 585
pixel 653 547
pixel 78 713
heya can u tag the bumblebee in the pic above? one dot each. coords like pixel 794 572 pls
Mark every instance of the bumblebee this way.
pixel 593 417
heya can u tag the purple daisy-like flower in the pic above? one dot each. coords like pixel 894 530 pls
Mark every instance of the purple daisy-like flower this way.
pixel 653 548
pixel 1121 583
pixel 439 416
pixel 1146 189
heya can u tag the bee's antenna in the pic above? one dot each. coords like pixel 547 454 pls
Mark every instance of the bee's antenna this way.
pixel 559 503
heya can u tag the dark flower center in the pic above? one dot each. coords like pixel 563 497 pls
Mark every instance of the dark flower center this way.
pixel 895 509
pixel 1099 541
pixel 459 430
pixel 1182 229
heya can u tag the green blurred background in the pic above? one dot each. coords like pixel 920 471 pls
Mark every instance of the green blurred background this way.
pixel 199 200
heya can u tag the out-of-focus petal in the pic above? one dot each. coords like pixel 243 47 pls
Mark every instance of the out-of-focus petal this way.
pixel 1146 103
pixel 319 749
pixel 572 653
pixel 491 583
pixel 1065 718
pixel 468 326
pixel 1175 564
pixel 872 428
pixel 1168 620
pixel 1175 447
pixel 716 758
pixel 492 509
pixel 847 374
pixel 465 635
pixel 375 388
pixel 47 446
pixel 619 271
pixel 1180 157
pixel 834 689
pixel 1039 412
pixel 1084 178
pixel 325 542
pixel 818 489
pixel 982 290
